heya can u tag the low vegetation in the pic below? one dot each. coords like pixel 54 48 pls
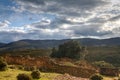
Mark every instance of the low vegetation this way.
pixel 102 64
pixel 3 64
pixel 76 61
pixel 96 77
pixel 11 74
pixel 109 54
pixel 71 49
pixel 24 77
pixel 35 74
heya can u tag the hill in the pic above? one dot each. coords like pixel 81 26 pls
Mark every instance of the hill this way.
pixel 2 44
pixel 31 44
pixel 45 44
pixel 100 42
pixel 109 54
pixel 107 50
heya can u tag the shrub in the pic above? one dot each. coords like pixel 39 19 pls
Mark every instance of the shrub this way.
pixel 3 65
pixel 24 77
pixel 12 66
pixel 103 64
pixel 96 77
pixel 20 67
pixel 35 74
pixel 30 68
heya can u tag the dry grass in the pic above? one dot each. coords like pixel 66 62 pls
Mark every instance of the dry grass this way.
pixel 12 73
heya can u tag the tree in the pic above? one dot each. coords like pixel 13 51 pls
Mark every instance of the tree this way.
pixel 53 54
pixel 70 49
pixel 3 64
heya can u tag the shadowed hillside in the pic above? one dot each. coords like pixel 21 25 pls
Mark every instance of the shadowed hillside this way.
pixel 44 44
pixel 2 44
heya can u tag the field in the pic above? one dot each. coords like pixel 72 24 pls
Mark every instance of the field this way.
pixel 11 74
pixel 110 54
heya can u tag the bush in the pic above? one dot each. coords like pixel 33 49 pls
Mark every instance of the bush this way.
pixel 20 67
pixel 96 77
pixel 12 66
pixel 103 64
pixel 35 74
pixel 24 77
pixel 3 65
pixel 30 68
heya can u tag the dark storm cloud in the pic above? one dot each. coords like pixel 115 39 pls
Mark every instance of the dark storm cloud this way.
pixel 97 20
pixel 67 3
pixel 60 7
pixel 47 24
pixel 36 2
pixel 81 3
pixel 90 30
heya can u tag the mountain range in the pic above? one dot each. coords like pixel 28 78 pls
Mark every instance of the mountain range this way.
pixel 44 44
pixel 2 44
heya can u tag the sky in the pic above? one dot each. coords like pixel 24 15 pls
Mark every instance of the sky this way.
pixel 59 19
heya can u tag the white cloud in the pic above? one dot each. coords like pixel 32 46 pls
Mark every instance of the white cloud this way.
pixel 72 19
pixel 5 23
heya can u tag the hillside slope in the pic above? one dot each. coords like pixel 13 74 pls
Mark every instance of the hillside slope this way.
pixel 45 44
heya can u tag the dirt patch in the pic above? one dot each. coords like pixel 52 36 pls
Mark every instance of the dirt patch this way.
pixel 68 77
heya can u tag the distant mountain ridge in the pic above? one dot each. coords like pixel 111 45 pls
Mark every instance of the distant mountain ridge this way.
pixel 2 44
pixel 37 44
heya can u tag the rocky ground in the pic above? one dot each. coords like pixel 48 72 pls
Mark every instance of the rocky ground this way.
pixel 68 77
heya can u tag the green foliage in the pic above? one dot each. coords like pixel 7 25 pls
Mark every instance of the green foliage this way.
pixel 65 63
pixel 31 52
pixel 96 77
pixel 3 64
pixel 20 67
pixel 109 54
pixel 54 52
pixel 23 77
pixel 70 49
pixel 103 64
pixel 35 74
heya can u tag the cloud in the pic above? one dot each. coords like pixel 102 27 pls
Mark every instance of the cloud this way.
pixel 5 23
pixel 115 18
pixel 60 7
pixel 63 19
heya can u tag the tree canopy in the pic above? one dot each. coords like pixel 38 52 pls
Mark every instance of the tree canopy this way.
pixel 70 49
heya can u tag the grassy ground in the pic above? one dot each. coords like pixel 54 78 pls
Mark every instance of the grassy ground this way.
pixel 110 78
pixel 110 54
pixel 12 73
